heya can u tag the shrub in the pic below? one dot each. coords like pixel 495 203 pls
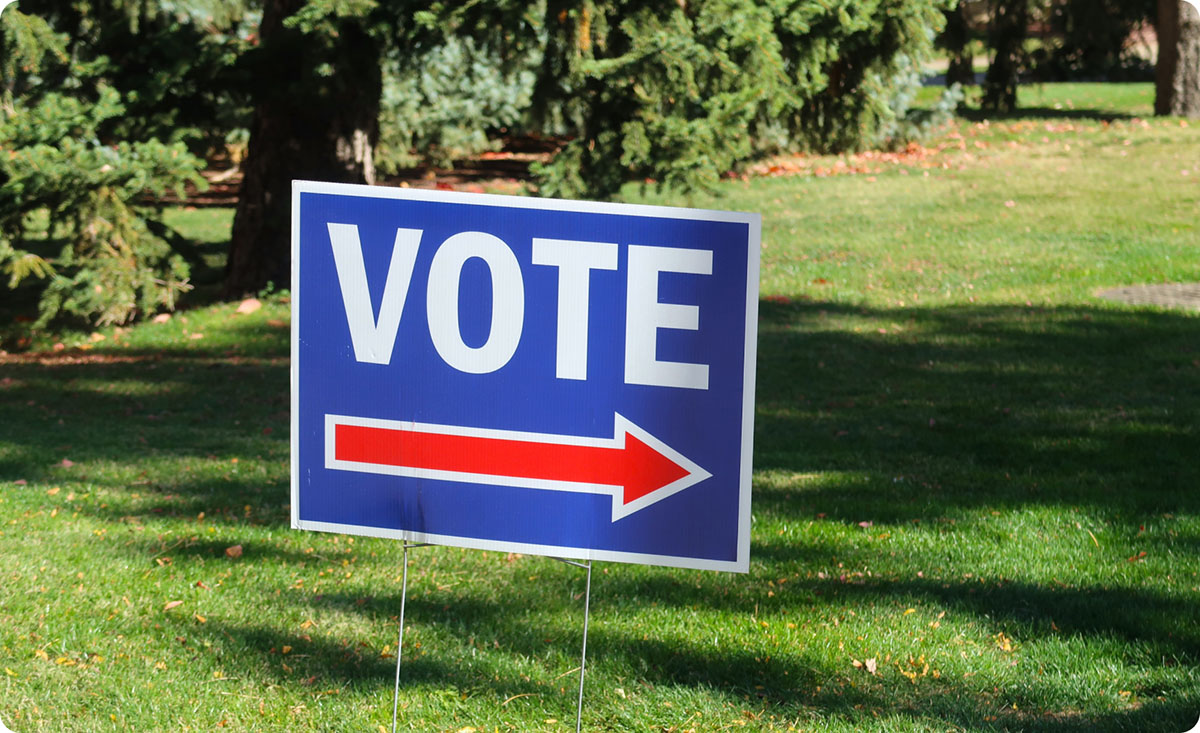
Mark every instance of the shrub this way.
pixel 681 91
pixel 115 259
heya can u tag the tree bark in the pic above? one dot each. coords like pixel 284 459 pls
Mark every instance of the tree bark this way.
pixel 1177 72
pixel 1006 35
pixel 957 36
pixel 315 118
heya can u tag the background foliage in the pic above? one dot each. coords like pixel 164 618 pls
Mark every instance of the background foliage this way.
pixel 674 94
pixel 92 146
pixel 449 103
pixel 678 94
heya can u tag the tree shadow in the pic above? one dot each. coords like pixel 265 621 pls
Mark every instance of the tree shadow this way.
pixel 961 407
pixel 125 405
pixel 788 682
pixel 949 411
pixel 1045 113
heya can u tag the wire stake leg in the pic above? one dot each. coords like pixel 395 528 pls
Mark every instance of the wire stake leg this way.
pixel 400 637
pixel 587 602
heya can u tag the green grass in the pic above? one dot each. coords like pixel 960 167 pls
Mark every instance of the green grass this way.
pixel 971 474
pixel 1075 99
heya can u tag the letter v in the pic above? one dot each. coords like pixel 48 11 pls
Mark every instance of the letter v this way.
pixel 373 339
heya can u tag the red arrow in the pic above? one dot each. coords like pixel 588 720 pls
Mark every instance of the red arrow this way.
pixel 634 467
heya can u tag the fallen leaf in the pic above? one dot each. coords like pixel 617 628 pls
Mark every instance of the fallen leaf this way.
pixel 864 525
pixel 201 619
pixel 234 551
pixel 249 305
pixel 66 463
pixel 871 665
pixel 196 336
pixel 96 336
pixel 1004 642
pixel 162 318
pixel 172 604
pixel 20 482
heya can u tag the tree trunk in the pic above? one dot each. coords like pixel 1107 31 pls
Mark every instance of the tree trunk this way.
pixel 1177 73
pixel 315 118
pixel 1006 36
pixel 956 38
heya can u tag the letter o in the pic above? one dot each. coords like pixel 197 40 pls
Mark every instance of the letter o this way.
pixel 508 302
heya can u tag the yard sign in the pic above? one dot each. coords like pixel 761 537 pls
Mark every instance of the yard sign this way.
pixel 528 375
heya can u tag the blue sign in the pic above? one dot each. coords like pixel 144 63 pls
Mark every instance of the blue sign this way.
pixel 528 375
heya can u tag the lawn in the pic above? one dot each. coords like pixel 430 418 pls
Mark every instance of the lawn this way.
pixel 975 488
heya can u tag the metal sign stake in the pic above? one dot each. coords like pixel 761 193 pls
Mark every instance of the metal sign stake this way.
pixel 587 599
pixel 587 602
pixel 400 638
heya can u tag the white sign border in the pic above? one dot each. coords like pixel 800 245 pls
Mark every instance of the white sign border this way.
pixel 750 361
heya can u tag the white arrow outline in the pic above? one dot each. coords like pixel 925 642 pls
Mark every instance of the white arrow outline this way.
pixel 622 426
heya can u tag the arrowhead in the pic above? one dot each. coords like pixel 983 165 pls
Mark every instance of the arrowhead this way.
pixel 652 469
pixel 647 470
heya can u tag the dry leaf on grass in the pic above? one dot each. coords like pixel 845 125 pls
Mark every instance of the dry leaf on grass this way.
pixel 871 665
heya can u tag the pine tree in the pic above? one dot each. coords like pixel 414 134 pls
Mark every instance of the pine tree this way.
pixel 677 92
pixel 318 68
pixel 117 260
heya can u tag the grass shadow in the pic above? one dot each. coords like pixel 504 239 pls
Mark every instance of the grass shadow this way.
pixel 885 416
pixel 1045 113
pixel 963 407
